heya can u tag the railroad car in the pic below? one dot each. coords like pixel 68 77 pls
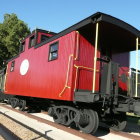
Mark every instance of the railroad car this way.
pixel 82 74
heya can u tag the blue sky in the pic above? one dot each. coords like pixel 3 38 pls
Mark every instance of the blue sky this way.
pixel 56 15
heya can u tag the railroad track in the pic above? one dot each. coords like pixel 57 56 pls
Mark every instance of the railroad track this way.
pixel 7 134
pixel 43 125
pixel 49 129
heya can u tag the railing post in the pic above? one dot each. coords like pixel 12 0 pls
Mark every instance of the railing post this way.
pixel 137 63
pixel 95 57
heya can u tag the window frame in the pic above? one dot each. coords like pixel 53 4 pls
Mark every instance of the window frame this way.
pixel 44 36
pixel 57 42
pixel 23 47
pixel 33 36
pixel 12 66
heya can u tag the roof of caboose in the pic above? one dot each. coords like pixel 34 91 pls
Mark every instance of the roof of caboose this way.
pixel 115 35
pixel 38 30
pixel 113 32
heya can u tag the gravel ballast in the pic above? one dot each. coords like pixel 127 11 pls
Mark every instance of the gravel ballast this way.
pixel 19 130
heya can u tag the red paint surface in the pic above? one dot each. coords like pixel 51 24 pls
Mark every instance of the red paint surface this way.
pixel 47 79
pixel 123 71
pixel 86 59
pixel 43 79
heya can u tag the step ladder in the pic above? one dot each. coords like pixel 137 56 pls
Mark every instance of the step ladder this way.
pixel 137 64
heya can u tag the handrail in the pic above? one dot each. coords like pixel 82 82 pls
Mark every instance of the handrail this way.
pixel 77 67
pixel 95 57
pixel 137 62
pixel 67 76
pixel 77 46
pixel 85 68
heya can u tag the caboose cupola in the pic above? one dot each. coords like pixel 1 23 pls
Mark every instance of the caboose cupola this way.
pixel 36 37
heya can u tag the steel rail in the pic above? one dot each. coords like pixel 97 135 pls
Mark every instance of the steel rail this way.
pixel 7 134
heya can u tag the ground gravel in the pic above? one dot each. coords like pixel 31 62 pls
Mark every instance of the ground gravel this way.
pixel 19 130
pixel 1 138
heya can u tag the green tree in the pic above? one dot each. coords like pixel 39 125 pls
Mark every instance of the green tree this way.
pixel 12 30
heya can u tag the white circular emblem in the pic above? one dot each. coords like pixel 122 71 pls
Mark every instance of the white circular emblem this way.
pixel 24 67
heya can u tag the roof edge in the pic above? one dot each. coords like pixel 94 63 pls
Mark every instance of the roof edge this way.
pixel 97 17
pixel 119 23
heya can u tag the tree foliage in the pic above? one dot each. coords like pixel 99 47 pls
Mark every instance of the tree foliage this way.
pixel 12 30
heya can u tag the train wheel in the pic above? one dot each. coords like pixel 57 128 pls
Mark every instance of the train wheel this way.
pixel 89 121
pixel 57 116
pixel 63 115
pixel 119 123
pixel 14 102
pixel 22 105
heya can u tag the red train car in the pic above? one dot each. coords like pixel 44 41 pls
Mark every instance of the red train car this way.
pixel 82 71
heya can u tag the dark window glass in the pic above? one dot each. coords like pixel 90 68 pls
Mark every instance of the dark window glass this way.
pixel 44 37
pixel 53 51
pixel 22 47
pixel 32 41
pixel 12 66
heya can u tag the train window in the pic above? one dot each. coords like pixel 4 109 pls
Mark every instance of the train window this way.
pixel 12 66
pixel 53 53
pixel 22 47
pixel 44 37
pixel 32 41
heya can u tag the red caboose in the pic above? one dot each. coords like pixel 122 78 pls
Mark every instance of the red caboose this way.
pixel 86 64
